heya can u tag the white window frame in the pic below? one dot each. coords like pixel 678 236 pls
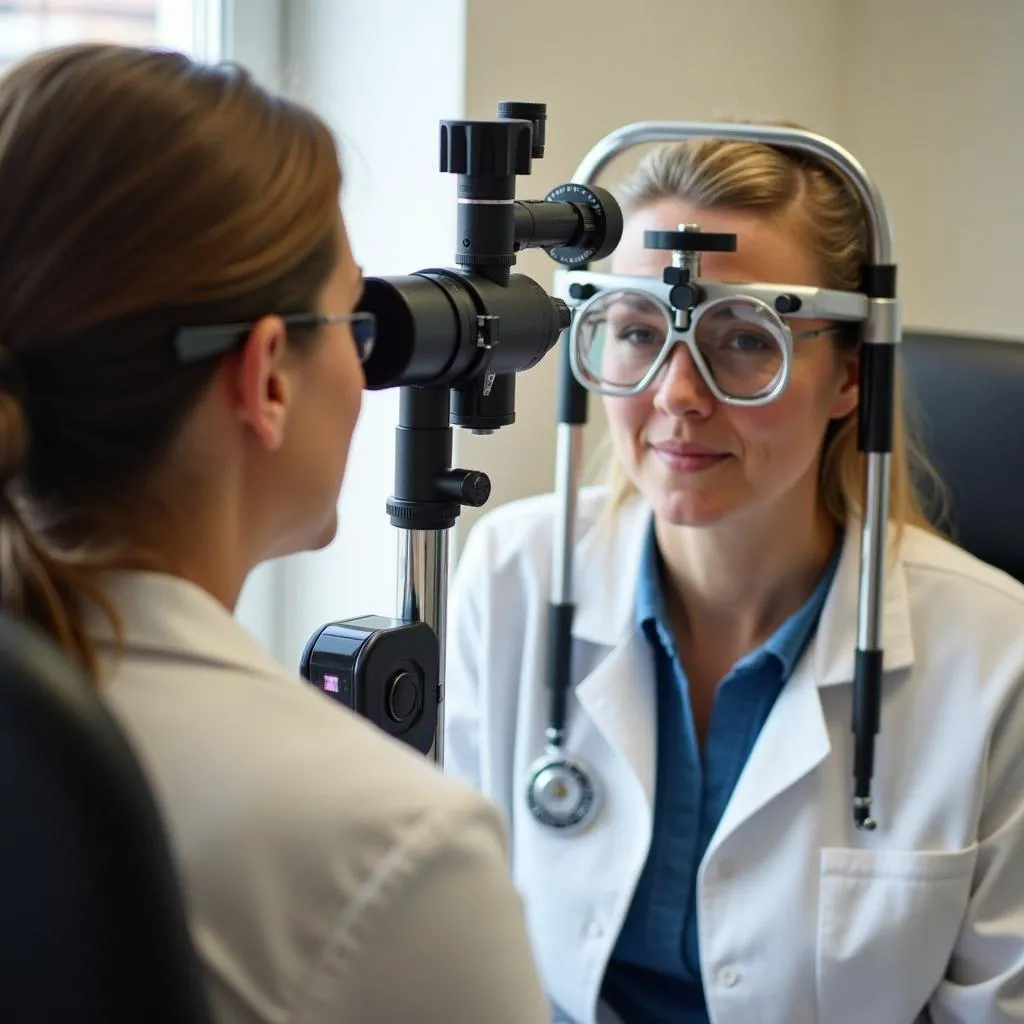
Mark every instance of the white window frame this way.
pixel 252 32
pixel 255 34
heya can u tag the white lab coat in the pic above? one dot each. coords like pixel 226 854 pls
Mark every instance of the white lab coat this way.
pixel 802 918
pixel 331 874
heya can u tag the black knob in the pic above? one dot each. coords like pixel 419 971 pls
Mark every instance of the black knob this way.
pixel 685 296
pixel 466 486
pixel 536 113
pixel 564 314
pixel 402 697
pixel 486 149
pixel 581 292
pixel 476 489
pixel 690 241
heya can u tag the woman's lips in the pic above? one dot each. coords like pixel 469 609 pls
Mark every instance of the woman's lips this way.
pixel 683 457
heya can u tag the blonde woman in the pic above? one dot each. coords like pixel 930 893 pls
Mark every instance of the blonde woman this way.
pixel 722 878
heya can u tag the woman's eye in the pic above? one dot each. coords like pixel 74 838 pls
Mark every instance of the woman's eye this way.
pixel 636 335
pixel 747 341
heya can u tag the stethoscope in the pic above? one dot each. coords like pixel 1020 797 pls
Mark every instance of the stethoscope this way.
pixel 562 792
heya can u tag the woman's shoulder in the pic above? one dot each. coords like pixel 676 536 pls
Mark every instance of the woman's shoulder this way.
pixel 202 699
pixel 292 755
pixel 964 614
pixel 940 570
pixel 535 516
pixel 524 529
pixel 273 792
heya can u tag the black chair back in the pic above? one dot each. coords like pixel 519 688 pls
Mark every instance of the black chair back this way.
pixel 92 922
pixel 967 393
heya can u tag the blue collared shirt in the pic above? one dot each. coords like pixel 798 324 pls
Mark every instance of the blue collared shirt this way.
pixel 654 973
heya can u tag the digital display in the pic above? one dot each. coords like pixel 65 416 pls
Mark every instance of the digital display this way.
pixel 330 683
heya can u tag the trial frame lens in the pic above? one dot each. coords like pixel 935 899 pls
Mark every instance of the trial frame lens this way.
pixel 700 339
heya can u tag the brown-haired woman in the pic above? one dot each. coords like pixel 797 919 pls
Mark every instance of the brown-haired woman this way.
pixel 180 381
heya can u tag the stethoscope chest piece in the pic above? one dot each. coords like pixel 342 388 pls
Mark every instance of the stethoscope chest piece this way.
pixel 561 793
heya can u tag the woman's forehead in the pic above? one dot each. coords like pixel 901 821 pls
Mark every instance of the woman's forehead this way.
pixel 768 249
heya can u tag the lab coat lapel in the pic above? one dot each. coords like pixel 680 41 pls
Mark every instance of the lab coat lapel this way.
pixel 792 743
pixel 617 689
pixel 619 698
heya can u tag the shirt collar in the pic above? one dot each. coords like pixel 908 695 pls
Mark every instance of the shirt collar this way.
pixel 650 594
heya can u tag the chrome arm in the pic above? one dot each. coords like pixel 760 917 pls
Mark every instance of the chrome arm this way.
pixel 423 597
pixel 644 132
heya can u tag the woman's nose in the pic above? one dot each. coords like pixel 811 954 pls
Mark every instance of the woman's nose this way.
pixel 679 389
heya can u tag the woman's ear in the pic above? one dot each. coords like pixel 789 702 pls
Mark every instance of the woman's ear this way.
pixel 848 382
pixel 260 385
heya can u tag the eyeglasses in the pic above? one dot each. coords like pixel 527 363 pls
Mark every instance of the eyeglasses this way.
pixel 741 347
pixel 740 336
pixel 193 344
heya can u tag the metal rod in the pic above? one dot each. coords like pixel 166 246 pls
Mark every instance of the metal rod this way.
pixel 423 597
pixel 567 462
pixel 872 552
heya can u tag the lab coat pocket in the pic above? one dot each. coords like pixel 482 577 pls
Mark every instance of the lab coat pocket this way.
pixel 887 923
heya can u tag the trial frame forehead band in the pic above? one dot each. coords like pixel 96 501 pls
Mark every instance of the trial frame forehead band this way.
pixel 802 301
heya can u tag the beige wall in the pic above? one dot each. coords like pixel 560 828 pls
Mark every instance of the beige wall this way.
pixel 934 107
pixel 928 94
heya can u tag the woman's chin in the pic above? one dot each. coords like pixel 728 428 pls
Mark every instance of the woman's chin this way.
pixel 327 533
pixel 311 537
pixel 685 507
pixel 689 513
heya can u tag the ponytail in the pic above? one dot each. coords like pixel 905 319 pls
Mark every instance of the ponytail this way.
pixel 37 585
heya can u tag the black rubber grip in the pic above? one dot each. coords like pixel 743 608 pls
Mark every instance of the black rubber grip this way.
pixel 878 280
pixel 867 692
pixel 877 396
pixel 572 396
pixel 867 713
pixel 559 666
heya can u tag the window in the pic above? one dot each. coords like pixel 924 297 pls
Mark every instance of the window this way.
pixel 189 25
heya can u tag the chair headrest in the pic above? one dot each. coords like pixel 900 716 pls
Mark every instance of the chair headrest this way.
pixel 966 398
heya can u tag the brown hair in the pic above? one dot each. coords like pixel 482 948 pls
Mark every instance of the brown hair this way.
pixel 778 183
pixel 142 191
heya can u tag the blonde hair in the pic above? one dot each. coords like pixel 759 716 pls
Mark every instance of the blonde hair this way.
pixel 776 183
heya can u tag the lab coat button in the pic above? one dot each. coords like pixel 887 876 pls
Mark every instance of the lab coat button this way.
pixel 729 977
pixel 593 930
